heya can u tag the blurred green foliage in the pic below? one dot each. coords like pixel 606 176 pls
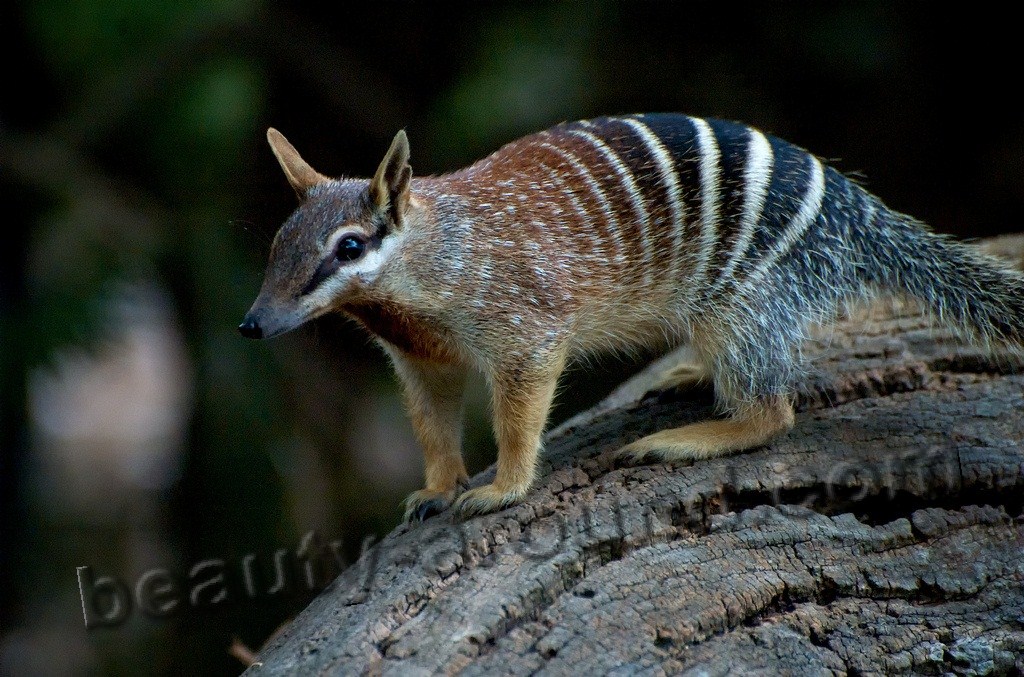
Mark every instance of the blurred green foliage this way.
pixel 533 67
pixel 84 40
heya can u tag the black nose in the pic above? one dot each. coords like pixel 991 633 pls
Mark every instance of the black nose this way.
pixel 250 329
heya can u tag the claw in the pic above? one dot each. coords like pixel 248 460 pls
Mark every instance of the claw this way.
pixel 633 456
pixel 430 508
pixel 486 499
pixel 423 504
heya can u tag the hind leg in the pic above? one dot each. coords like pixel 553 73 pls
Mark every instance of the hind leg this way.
pixel 751 371
pixel 751 427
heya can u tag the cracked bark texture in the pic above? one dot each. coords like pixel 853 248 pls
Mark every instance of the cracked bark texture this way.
pixel 884 534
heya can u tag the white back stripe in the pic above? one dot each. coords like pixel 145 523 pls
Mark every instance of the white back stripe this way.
pixel 756 176
pixel 595 188
pixel 556 179
pixel 635 197
pixel 670 179
pixel 810 207
pixel 710 176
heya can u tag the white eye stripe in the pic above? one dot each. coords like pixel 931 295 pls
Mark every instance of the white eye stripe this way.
pixel 366 265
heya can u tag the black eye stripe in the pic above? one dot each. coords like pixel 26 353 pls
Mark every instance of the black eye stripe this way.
pixel 331 264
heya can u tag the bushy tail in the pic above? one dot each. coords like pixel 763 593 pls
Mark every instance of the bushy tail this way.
pixel 976 293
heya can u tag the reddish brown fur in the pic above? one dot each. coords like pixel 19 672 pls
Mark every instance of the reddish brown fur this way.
pixel 415 335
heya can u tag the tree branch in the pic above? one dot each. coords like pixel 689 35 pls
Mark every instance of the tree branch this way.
pixel 883 534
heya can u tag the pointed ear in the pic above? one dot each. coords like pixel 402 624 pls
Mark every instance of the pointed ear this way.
pixel 389 187
pixel 300 175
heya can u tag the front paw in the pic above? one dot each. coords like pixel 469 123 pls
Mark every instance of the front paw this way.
pixel 486 499
pixel 425 503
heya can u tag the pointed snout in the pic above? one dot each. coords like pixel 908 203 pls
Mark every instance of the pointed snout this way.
pixel 250 328
pixel 265 321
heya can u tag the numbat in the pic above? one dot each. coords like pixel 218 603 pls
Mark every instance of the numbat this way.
pixel 642 230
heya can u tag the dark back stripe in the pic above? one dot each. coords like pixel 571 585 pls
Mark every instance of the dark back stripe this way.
pixel 633 152
pixel 814 259
pixel 594 230
pixel 611 183
pixel 789 182
pixel 733 140
pixel 582 175
pixel 679 136
pixel 839 208
pixel 639 158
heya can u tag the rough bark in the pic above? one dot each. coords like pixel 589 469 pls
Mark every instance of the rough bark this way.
pixel 883 534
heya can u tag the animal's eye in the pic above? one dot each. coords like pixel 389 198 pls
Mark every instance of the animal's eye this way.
pixel 350 248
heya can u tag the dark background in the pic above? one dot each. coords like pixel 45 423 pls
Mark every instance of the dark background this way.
pixel 137 430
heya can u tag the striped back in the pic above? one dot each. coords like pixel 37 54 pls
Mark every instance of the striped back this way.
pixel 671 201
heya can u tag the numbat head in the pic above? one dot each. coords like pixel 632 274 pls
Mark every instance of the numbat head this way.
pixel 334 247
